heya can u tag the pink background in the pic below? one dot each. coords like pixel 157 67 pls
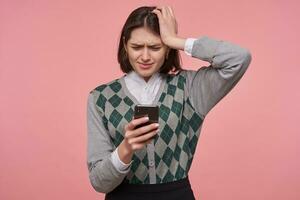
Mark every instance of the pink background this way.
pixel 52 53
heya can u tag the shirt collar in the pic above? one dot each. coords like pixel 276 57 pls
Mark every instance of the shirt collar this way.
pixel 133 76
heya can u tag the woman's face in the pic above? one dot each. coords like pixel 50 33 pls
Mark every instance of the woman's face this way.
pixel 146 52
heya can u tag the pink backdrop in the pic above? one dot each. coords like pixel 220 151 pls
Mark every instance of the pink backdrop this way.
pixel 52 53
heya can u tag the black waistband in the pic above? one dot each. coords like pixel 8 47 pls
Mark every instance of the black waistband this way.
pixel 161 187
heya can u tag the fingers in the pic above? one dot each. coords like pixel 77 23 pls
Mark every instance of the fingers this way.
pixel 166 14
pixel 138 138
pixel 158 13
pixel 137 146
pixel 171 11
pixel 135 122
pixel 164 11
pixel 143 130
pixel 143 138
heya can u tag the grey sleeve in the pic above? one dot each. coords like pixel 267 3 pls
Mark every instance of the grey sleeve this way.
pixel 208 85
pixel 104 177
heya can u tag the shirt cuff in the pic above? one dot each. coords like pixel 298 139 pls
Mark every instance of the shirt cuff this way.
pixel 188 46
pixel 119 165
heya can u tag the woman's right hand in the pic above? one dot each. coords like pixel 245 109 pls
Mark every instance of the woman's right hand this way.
pixel 136 139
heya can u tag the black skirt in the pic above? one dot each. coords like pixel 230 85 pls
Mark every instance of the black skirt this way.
pixel 177 190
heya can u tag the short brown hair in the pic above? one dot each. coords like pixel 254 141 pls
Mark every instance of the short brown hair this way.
pixel 143 17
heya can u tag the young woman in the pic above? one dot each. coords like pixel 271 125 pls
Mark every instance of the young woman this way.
pixel 125 162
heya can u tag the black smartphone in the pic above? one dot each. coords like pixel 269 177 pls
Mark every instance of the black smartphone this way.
pixel 152 111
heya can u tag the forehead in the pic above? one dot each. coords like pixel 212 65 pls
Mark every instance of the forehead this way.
pixel 144 36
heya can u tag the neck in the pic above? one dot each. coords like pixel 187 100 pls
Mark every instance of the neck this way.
pixel 147 78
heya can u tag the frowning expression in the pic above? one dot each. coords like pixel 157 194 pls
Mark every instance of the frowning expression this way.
pixel 146 52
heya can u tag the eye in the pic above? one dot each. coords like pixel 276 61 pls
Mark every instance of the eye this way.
pixel 152 48
pixel 156 49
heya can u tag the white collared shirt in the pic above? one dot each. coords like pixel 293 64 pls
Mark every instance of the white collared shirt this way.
pixel 145 93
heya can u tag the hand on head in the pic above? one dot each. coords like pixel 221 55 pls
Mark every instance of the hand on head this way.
pixel 167 23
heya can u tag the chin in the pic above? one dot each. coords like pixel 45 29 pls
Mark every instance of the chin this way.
pixel 146 74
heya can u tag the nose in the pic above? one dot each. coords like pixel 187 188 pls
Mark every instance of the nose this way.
pixel 145 54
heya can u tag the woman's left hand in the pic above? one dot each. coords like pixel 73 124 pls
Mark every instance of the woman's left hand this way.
pixel 168 27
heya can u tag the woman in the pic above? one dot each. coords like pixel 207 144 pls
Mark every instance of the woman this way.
pixel 124 162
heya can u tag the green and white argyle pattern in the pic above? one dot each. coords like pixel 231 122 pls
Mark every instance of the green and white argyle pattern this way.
pixel 178 136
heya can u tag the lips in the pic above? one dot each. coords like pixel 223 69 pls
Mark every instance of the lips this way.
pixel 145 65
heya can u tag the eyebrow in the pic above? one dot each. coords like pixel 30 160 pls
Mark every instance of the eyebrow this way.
pixel 139 45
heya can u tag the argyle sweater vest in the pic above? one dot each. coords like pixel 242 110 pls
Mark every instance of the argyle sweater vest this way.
pixel 179 126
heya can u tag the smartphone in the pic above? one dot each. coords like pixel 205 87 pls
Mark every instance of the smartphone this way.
pixel 152 111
